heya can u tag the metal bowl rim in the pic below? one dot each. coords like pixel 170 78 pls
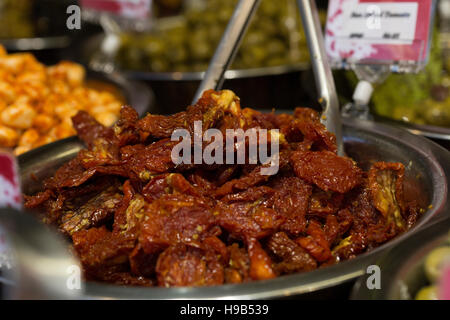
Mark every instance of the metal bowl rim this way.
pixel 229 74
pixel 426 130
pixel 36 43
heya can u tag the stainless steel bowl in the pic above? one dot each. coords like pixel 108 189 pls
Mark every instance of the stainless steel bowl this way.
pixel 229 74
pixel 402 268
pixel 427 176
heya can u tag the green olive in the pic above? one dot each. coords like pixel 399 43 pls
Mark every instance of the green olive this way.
pixel 254 38
pixel 176 36
pixel 419 120
pixel 269 8
pixel 215 32
pixel 407 114
pixel 201 51
pixel 268 27
pixel 133 57
pixel 276 47
pixel 177 54
pixel 437 113
pixel 209 18
pixel 159 65
pixel 224 15
pixel 253 57
pixel 154 46
pixel 277 61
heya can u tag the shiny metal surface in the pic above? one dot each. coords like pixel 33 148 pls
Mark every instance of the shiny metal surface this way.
pixel 40 163
pixel 229 74
pixel 427 175
pixel 331 116
pixel 37 43
pixel 228 46
pixel 402 268
pixel 40 260
pixel 434 132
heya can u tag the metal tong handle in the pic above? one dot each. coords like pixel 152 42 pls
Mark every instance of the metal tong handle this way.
pixel 232 38
pixel 331 116
pixel 228 46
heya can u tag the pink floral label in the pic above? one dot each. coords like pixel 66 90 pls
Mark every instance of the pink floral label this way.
pixel 444 291
pixel 378 30
pixel 10 195
pixel 125 8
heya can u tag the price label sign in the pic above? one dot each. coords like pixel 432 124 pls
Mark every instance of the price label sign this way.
pixel 10 194
pixel 136 9
pixel 379 31
pixel 444 292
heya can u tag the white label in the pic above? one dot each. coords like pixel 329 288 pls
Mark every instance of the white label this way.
pixel 380 23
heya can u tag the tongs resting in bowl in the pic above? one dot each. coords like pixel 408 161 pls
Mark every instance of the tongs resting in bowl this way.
pixel 229 45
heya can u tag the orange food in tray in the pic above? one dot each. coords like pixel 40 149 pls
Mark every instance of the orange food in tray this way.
pixel 37 102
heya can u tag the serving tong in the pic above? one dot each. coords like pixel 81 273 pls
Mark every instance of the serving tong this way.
pixel 230 42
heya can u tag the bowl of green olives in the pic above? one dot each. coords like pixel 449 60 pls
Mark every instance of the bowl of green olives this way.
pixel 172 57
pixel 185 44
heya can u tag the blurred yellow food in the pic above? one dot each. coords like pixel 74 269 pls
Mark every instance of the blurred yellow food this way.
pixel 436 261
pixel 37 102
pixel 427 293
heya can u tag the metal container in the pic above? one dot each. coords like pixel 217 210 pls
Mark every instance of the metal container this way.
pixel 427 180
pixel 402 268
pixel 36 43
